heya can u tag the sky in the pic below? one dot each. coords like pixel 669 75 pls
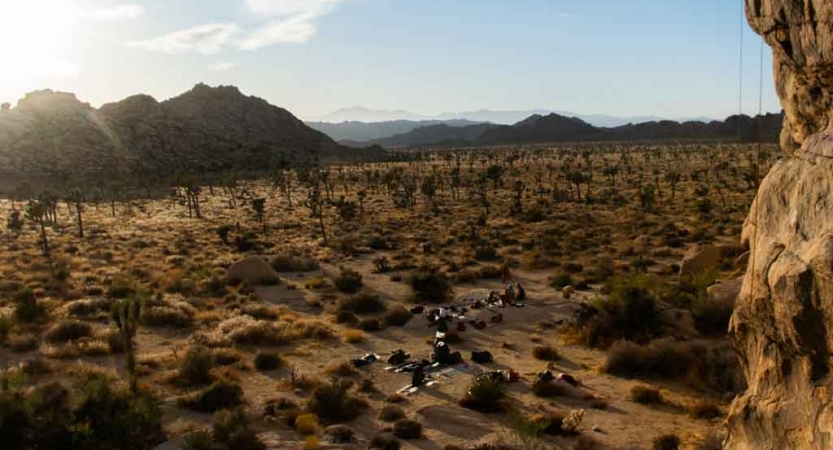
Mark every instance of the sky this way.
pixel 670 58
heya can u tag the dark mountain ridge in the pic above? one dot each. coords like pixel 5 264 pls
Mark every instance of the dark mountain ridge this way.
pixel 557 128
pixel 207 130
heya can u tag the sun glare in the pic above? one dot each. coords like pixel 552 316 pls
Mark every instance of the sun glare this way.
pixel 36 40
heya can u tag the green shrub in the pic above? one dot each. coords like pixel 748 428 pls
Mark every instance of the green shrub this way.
pixel 197 364
pixel 267 361
pixel 407 429
pixel 363 304
pixel 561 280
pixel 349 281
pixel 27 309
pixel 222 394
pixel 391 413
pixel 430 287
pixel 666 442
pixel 291 263
pixel 397 317
pixel 706 365
pixel 333 404
pixel 68 330
pixel 545 353
pixel 630 312
pixel 339 434
pixel 384 442
pixel 646 396
pixel 705 410
pixel 485 394
pixel 370 324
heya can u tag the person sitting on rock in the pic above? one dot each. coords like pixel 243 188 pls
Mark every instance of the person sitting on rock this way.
pixel 521 293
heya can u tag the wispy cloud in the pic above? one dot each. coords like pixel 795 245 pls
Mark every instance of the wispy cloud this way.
pixel 274 22
pixel 206 39
pixel 118 13
pixel 222 67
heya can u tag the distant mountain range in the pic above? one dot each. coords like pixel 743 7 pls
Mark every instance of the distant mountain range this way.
pixel 370 131
pixel 52 136
pixel 557 128
pixel 367 115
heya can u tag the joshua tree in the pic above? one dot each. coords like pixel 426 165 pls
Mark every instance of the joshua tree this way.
pixel 518 188
pixel 76 199
pixel 37 211
pixel 362 195
pixel 316 207
pixel 673 178
pixel 192 195
pixel 259 207
pixel 494 173
pixel 125 315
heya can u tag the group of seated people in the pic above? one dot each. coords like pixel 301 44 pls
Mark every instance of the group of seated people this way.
pixel 509 296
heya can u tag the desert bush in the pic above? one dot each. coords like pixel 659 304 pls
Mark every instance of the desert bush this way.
pixel 352 336
pixel 68 330
pixel 362 304
pixel 397 317
pixel 395 398
pixel 232 430
pixel 545 353
pixel 485 394
pixel 490 272
pixel 485 253
pixel 103 415
pixel 384 442
pixel 348 281
pixel 666 442
pixel 549 389
pixel 370 324
pixel 407 429
pixel 342 369
pixel 27 309
pixel 705 410
pixel 430 287
pixel 346 317
pixel 630 312
pixel 261 311
pixel 21 343
pixel 391 413
pixel 306 424
pixel 339 434
pixel 168 316
pixel 646 396
pixel 587 443
pixel 87 308
pixel 267 360
pixel 197 364
pixel 704 365
pixel 222 394
pixel 561 280
pixel 333 404
pixel 291 263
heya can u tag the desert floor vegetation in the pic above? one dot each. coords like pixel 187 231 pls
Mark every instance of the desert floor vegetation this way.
pixel 140 315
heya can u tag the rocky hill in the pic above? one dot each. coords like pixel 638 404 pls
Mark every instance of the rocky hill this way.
pixel 54 136
pixel 558 128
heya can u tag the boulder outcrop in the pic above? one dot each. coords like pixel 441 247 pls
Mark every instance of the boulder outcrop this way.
pixel 783 322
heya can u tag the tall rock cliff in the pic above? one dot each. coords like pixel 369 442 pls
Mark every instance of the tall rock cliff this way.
pixel 783 322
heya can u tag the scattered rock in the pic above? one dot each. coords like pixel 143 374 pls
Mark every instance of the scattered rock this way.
pixel 253 270
pixel 677 322
pixel 726 291
pixel 568 291
pixel 698 259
